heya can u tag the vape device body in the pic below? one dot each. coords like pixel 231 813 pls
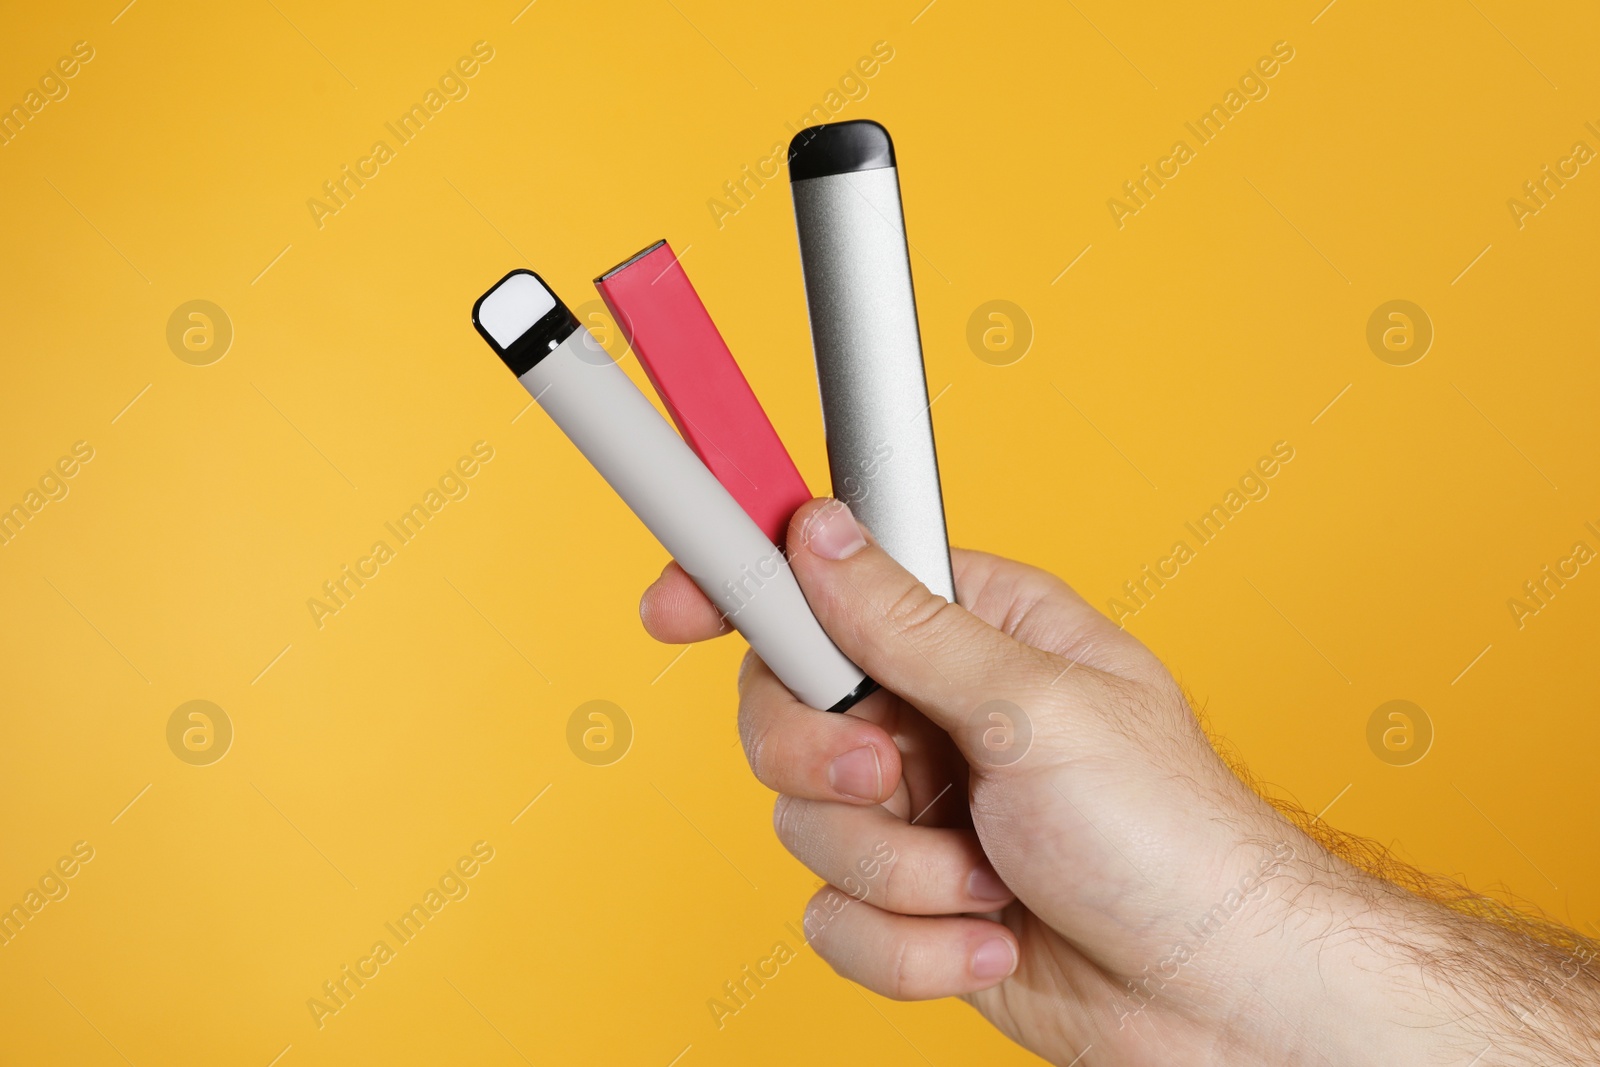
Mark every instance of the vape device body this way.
pixel 857 267
pixel 667 326
pixel 667 487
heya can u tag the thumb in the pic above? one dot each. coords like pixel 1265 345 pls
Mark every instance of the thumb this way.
pixel 943 659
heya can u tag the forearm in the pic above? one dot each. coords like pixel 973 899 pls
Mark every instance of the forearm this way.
pixel 1368 971
pixel 1523 992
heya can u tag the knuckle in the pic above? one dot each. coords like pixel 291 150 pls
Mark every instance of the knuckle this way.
pixel 903 884
pixel 757 734
pixel 789 818
pixel 746 666
pixel 780 814
pixel 914 967
pixel 916 610
pixel 817 923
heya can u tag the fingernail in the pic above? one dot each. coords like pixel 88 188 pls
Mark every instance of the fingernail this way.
pixel 834 533
pixel 857 774
pixel 984 884
pixel 995 958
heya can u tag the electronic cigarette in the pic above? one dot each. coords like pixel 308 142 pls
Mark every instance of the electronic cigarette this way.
pixel 660 479
pixel 857 267
pixel 667 326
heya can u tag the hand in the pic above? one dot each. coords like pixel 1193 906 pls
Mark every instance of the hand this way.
pixel 1029 816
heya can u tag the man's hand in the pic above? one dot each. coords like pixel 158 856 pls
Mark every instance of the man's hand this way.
pixel 1030 817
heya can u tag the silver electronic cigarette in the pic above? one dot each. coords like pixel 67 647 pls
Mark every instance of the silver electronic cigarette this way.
pixel 857 269
pixel 653 470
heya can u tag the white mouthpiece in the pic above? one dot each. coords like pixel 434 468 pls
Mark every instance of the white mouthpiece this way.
pixel 513 306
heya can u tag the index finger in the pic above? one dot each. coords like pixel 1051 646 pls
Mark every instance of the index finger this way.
pixel 675 612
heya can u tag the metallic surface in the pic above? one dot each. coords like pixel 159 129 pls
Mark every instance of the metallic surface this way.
pixel 869 366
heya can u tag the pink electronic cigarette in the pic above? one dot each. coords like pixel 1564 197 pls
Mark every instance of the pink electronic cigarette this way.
pixel 660 314
pixel 602 412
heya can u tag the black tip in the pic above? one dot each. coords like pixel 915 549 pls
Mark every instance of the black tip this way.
pixel 839 148
pixel 855 696
pixel 538 340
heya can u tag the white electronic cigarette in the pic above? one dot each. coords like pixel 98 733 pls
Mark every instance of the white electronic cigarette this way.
pixel 875 404
pixel 657 475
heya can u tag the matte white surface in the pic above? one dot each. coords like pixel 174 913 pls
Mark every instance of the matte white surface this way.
pixel 513 306
pixel 657 475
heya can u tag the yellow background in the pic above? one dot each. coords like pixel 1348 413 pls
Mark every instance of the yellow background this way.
pixel 1225 316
